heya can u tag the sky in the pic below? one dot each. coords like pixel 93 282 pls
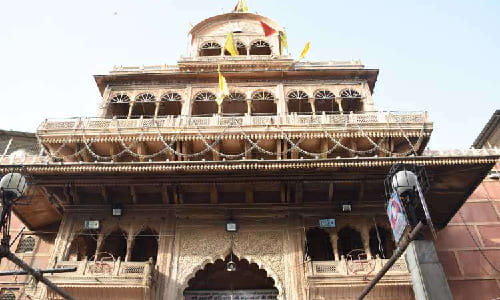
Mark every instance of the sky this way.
pixel 436 56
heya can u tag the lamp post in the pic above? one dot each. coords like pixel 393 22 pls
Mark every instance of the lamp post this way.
pixel 13 187
pixel 405 185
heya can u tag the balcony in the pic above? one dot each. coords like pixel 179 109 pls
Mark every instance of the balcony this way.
pixel 99 279
pixel 354 272
pixel 276 123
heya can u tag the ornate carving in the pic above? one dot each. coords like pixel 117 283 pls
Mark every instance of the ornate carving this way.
pixel 199 247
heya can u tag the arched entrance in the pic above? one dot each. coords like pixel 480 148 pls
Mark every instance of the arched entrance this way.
pixel 215 281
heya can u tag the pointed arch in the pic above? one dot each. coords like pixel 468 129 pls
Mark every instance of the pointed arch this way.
pixel 144 105
pixel 115 244
pixel 263 103
pixel 170 104
pixel 324 101
pixel 260 47
pixel 235 104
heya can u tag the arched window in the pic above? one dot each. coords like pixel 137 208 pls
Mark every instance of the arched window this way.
pixel 204 104
pixel 260 47
pixel 145 246
pixel 242 49
pixel 114 244
pixel 319 246
pixel 118 106
pixel 381 242
pixel 170 104
pixel 144 106
pixel 27 244
pixel 263 103
pixel 83 246
pixel 298 102
pixel 349 242
pixel 351 100
pixel 324 101
pixel 235 104
pixel 210 49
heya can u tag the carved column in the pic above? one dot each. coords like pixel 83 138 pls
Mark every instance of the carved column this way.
pixel 100 239
pixel 334 238
pixel 365 235
pixel 339 103
pixel 130 247
pixel 313 106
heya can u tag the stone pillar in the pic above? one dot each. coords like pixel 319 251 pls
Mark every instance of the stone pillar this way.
pixel 334 238
pixel 186 103
pixel 365 235
pixel 339 103
pixel 100 239
pixel 130 247
pixel 429 280
pixel 313 106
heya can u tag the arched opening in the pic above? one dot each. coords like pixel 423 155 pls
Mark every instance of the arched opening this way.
pixel 204 104
pixel 263 103
pixel 260 47
pixel 324 101
pixel 145 246
pixel 115 244
pixel 242 49
pixel 118 106
pixel 298 102
pixel 381 242
pixel 235 104
pixel 210 49
pixel 351 100
pixel 144 105
pixel 319 246
pixel 349 242
pixel 170 105
pixel 247 281
pixel 83 246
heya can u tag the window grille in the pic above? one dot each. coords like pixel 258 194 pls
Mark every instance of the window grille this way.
pixel 171 97
pixel 263 95
pixel 205 96
pixel 236 97
pixel 298 95
pixel 145 98
pixel 6 294
pixel 350 93
pixel 260 44
pixel 120 98
pixel 324 95
pixel 210 45
pixel 27 244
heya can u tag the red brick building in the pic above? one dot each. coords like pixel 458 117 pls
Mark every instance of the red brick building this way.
pixel 469 247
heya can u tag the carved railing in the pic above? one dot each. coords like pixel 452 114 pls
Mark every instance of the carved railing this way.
pixel 351 268
pixel 240 295
pixel 368 118
pixel 117 272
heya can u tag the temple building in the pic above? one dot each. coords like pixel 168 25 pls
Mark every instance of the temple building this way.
pixel 172 192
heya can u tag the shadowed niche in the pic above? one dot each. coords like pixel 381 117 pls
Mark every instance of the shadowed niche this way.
pixel 216 277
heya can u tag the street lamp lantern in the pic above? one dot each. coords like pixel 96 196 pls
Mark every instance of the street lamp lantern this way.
pixel 13 186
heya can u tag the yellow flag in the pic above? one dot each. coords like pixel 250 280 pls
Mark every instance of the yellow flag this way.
pixel 241 7
pixel 283 42
pixel 304 52
pixel 223 89
pixel 229 46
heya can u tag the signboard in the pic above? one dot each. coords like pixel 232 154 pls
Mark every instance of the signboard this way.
pixel 327 223
pixel 397 217
pixel 91 225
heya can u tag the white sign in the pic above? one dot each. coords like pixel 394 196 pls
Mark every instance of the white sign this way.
pixel 91 225
pixel 327 223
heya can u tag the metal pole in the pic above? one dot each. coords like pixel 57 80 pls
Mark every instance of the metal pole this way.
pixel 44 271
pixel 5 252
pixel 397 253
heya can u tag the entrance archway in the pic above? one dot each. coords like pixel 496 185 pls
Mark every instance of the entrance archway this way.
pixel 246 282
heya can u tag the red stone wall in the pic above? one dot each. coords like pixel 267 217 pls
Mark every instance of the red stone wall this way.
pixel 39 258
pixel 469 247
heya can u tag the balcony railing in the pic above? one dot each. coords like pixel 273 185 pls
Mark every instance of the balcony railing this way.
pixel 375 118
pixel 351 268
pixel 140 274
